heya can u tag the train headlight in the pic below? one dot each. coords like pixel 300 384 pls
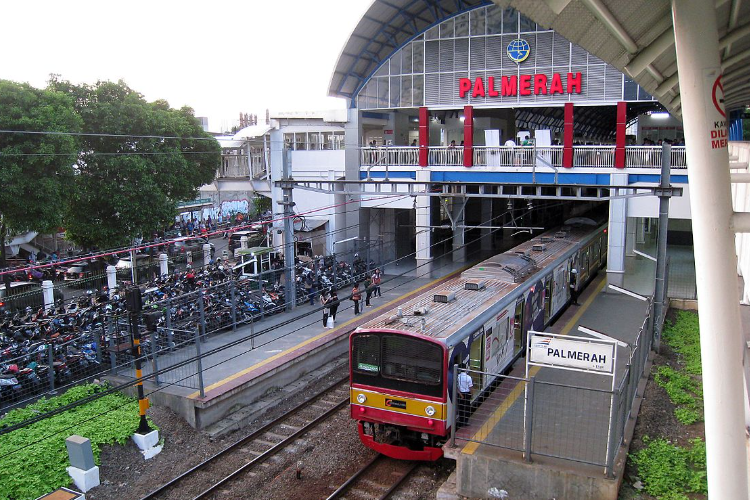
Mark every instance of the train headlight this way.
pixel 430 411
pixel 361 398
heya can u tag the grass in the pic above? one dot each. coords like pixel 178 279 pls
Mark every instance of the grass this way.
pixel 669 471
pixel 35 458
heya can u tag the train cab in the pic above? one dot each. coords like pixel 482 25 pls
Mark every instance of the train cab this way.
pixel 398 393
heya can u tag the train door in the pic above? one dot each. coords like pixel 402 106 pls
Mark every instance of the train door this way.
pixel 518 336
pixel 595 256
pixel 548 283
pixel 476 360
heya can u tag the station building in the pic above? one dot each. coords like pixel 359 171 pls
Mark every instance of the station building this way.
pixel 480 94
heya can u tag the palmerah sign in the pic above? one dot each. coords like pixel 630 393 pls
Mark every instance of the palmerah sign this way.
pixel 523 85
pixel 573 353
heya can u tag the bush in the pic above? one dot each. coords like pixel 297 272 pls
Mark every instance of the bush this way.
pixel 35 457
pixel 670 472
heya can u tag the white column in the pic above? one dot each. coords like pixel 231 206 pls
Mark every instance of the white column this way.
pixel 640 230
pixel 48 290
pixel 630 237
pixel 618 211
pixel 424 234
pixel 163 264
pixel 459 233
pixel 486 234
pixel 243 242
pixel 206 254
pixel 698 64
pixel 111 280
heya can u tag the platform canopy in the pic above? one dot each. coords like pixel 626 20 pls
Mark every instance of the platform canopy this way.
pixel 635 36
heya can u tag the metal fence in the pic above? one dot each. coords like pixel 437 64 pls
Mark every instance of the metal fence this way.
pixel 535 416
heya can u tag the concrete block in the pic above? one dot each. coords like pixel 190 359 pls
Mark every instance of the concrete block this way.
pixel 79 452
pixel 151 452
pixel 146 441
pixel 84 479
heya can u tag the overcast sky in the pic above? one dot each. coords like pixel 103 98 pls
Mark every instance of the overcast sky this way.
pixel 220 58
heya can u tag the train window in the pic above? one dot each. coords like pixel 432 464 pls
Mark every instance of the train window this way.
pixel 411 360
pixel 366 354
pixel 547 298
pixel 518 324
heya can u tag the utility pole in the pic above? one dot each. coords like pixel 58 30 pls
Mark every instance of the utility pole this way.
pixel 660 288
pixel 290 290
pixel 134 306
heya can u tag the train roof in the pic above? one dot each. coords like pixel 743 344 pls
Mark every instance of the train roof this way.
pixel 440 312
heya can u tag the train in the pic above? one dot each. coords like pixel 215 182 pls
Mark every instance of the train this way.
pixel 402 362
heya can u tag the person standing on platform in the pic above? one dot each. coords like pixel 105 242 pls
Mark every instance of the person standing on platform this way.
pixel 464 395
pixel 356 297
pixel 574 286
pixel 334 304
pixel 325 300
pixel 376 280
pixel 368 291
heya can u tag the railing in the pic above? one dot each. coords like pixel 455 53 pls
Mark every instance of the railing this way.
pixel 536 417
pixel 235 165
pixel 522 156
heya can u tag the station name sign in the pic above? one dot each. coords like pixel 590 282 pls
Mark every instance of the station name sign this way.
pixel 521 85
pixel 548 350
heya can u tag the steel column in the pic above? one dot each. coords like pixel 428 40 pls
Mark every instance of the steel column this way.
pixel 622 117
pixel 424 136
pixel 567 159
pixel 661 245
pixel 699 69
pixel 468 136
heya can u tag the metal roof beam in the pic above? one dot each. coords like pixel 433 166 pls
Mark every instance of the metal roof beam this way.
pixel 734 14
pixel 731 61
pixel 644 58
pixel 732 36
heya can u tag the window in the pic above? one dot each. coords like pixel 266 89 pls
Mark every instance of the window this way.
pixel 366 354
pixel 411 360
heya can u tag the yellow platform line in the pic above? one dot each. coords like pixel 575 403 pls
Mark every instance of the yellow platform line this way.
pixel 234 376
pixel 501 410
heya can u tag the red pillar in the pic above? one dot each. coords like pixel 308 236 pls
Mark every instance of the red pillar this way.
pixel 622 117
pixel 468 136
pixel 424 136
pixel 567 159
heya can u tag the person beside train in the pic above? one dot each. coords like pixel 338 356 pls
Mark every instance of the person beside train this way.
pixel 574 286
pixel 376 280
pixel 333 304
pixel 325 300
pixel 465 384
pixel 368 291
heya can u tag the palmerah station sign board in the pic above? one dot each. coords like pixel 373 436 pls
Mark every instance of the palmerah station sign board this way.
pixel 571 353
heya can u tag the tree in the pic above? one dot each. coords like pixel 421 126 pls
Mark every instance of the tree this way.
pixel 139 160
pixel 36 170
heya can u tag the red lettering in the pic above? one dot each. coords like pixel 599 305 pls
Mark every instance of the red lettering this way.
pixel 556 86
pixel 478 88
pixel 574 83
pixel 491 87
pixel 464 85
pixel 524 85
pixel 509 85
pixel 540 84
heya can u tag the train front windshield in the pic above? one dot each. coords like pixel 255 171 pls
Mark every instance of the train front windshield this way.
pixel 397 362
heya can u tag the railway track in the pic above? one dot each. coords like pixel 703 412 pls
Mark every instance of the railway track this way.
pixel 378 478
pixel 213 473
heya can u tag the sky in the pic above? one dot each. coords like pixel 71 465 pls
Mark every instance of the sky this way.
pixel 220 58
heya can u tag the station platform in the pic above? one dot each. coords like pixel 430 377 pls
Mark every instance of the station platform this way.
pixel 292 346
pixel 570 423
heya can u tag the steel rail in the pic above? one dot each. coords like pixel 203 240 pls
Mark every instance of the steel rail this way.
pixel 154 494
pixel 367 467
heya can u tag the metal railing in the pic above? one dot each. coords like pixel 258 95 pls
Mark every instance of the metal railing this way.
pixel 568 422
pixel 521 156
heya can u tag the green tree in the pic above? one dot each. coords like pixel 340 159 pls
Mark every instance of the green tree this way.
pixel 139 160
pixel 36 170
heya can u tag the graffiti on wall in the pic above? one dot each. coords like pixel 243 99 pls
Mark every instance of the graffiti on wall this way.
pixel 230 207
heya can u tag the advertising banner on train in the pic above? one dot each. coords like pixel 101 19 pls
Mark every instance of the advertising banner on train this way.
pixel 576 353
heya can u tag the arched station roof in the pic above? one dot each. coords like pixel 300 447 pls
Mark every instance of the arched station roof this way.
pixel 634 36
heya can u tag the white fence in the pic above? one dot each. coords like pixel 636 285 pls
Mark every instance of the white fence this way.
pixel 521 156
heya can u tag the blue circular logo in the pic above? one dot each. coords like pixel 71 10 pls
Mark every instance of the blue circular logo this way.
pixel 518 50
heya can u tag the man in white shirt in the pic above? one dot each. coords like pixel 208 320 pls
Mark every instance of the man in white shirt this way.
pixel 510 143
pixel 464 396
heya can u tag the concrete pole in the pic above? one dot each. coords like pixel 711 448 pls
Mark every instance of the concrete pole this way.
pixel 424 233
pixel 459 233
pixel 206 254
pixel 660 287
pixel 163 264
pixel 618 214
pixel 243 242
pixel 699 67
pixel 48 290
pixel 288 205
pixel 111 280
pixel 133 270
